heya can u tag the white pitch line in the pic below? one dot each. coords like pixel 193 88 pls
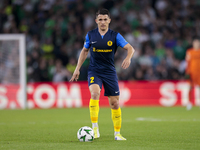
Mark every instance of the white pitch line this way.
pixel 170 120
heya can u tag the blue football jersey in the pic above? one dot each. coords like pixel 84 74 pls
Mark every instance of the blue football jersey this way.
pixel 102 50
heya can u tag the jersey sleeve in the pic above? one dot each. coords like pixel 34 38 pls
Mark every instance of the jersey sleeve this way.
pixel 188 58
pixel 87 42
pixel 120 40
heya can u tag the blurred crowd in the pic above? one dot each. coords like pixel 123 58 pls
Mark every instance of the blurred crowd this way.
pixel 160 31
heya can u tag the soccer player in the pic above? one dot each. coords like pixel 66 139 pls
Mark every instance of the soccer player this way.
pixel 193 67
pixel 102 43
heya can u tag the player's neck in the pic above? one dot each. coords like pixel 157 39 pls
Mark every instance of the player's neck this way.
pixel 196 48
pixel 102 32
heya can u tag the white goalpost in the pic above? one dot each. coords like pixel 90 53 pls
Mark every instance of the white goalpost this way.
pixel 12 71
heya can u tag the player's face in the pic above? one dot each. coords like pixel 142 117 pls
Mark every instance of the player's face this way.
pixel 103 22
pixel 196 44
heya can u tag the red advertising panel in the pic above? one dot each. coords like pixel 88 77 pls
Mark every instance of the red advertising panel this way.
pixel 66 95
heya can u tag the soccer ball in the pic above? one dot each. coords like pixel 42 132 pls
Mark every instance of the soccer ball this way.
pixel 85 134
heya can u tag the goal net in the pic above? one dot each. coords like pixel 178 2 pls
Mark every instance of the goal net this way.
pixel 12 71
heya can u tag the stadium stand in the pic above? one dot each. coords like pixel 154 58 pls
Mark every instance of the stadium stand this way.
pixel 160 30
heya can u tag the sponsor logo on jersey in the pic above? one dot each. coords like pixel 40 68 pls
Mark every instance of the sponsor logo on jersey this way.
pixel 101 50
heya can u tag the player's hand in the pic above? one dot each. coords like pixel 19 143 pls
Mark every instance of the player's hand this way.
pixel 75 76
pixel 126 63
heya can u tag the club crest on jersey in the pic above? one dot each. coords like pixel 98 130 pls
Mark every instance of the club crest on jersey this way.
pixel 109 43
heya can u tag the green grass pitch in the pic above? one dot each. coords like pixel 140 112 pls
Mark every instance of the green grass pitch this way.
pixel 146 128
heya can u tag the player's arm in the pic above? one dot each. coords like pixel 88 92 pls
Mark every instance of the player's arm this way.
pixel 187 71
pixel 130 50
pixel 81 59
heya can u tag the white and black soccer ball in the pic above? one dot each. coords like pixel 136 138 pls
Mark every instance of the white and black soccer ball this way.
pixel 85 134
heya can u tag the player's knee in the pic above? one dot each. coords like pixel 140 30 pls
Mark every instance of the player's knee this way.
pixel 95 95
pixel 115 104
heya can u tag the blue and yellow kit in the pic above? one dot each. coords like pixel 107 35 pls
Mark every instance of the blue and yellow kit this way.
pixel 102 50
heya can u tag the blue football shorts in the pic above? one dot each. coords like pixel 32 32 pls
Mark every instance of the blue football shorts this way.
pixel 110 82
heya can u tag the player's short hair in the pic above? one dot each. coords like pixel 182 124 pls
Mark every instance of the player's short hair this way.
pixel 195 38
pixel 103 11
